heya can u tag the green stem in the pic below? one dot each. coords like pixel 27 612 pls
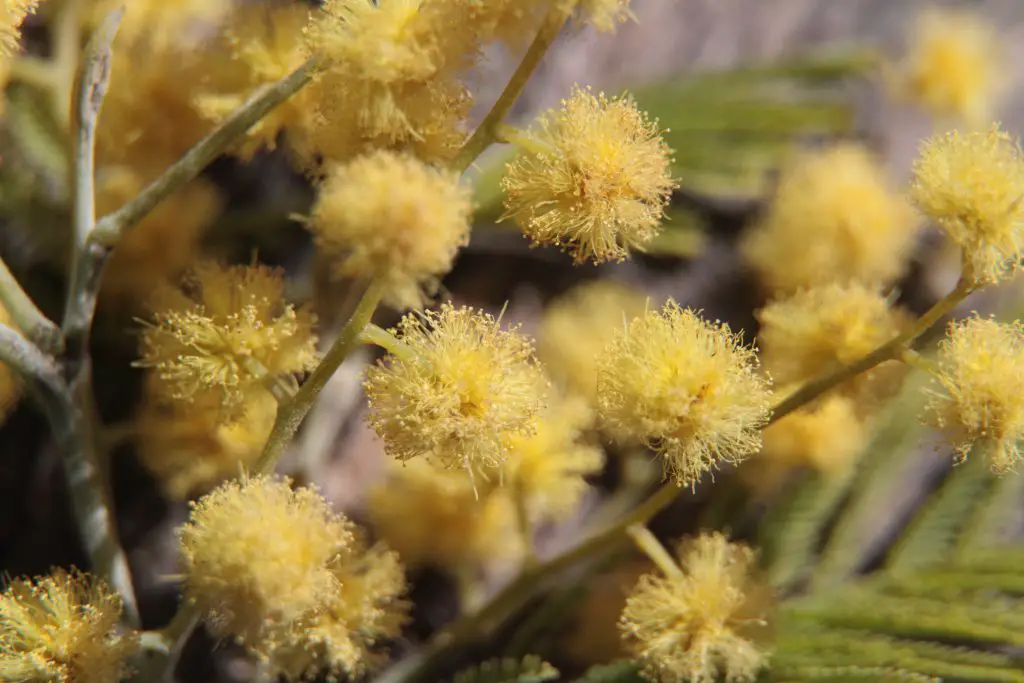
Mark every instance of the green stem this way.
pixel 291 413
pixel 891 350
pixel 488 129
pixel 378 336
pixel 649 545
pixel 26 316
pixel 110 227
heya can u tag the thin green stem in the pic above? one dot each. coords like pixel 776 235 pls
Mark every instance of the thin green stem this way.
pixel 67 48
pixel 523 526
pixel 26 315
pixel 38 73
pixel 891 350
pixel 378 336
pixel 108 230
pixel 650 546
pixel 291 413
pixel 488 129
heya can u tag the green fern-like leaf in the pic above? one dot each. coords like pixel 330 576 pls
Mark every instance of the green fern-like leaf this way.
pixel 529 669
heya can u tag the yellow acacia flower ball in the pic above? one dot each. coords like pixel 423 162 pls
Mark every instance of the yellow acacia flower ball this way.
pixel 835 217
pixel 278 570
pixel 577 326
pixel 226 332
pixel 459 392
pixel 953 66
pixel 979 397
pixel 686 387
pixel 12 14
pixel 548 468
pixel 594 178
pixel 62 627
pixel 703 621
pixel 437 518
pixel 819 329
pixel 605 15
pixel 971 185
pixel 394 218
pixel 191 447
pixel 825 437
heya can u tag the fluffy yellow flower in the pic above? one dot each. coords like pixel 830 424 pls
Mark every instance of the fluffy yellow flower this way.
pixel 226 332
pixel 605 15
pixel 190 447
pixel 825 437
pixel 163 245
pixel 594 178
pixel 577 326
pixel 972 186
pixel 687 388
pixel 290 579
pixel 953 66
pixel 392 217
pixel 437 518
pixel 819 329
pixel 62 627
pixel 702 621
pixel 10 383
pixel 834 218
pixel 548 467
pixel 12 14
pixel 460 392
pixel 979 399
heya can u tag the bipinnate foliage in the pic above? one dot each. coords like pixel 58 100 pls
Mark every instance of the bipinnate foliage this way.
pixel 529 669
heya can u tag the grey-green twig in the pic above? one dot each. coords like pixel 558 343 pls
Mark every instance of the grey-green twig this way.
pixel 26 315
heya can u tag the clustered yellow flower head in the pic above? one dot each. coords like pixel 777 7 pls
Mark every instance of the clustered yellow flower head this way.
pixel 686 387
pixel 62 627
pixel 12 14
pixel 394 218
pixel 458 392
pixel 578 325
pixel 593 178
pixel 953 66
pixel 819 329
pixel 227 332
pixel 979 398
pixel 279 571
pixel 702 620
pixel 191 447
pixel 972 186
pixel 440 518
pixel 835 217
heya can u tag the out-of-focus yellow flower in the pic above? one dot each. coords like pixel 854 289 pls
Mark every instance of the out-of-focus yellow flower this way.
pixel 979 397
pixel 290 579
pixel 226 332
pixel 702 621
pixel 391 217
pixel 62 627
pixel 594 178
pixel 972 186
pixel 547 468
pixel 12 14
pixel 263 43
pixel 825 437
pixel 577 326
pixel 834 218
pixel 604 15
pixel 10 383
pixel 459 394
pixel 953 66
pixel 191 447
pixel 819 329
pixel 163 245
pixel 687 388
pixel 437 518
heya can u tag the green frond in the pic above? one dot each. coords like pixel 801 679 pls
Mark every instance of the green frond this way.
pixel 792 530
pixel 529 669
pixel 879 478
pixel 991 523
pixel 932 535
